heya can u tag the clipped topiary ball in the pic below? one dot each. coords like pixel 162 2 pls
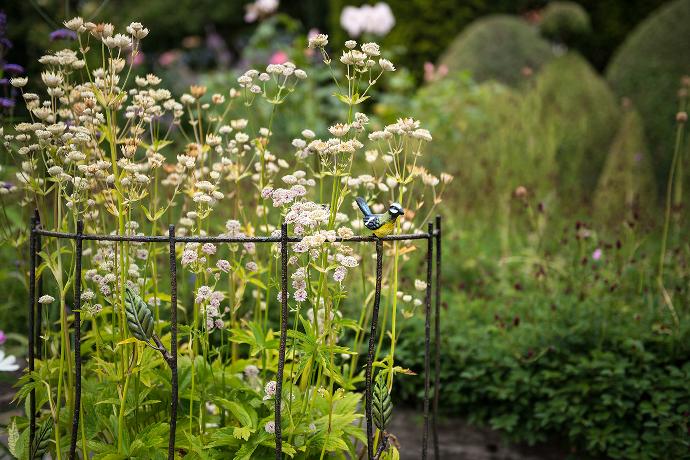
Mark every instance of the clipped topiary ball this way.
pixel 648 68
pixel 626 187
pixel 498 48
pixel 564 22
pixel 585 113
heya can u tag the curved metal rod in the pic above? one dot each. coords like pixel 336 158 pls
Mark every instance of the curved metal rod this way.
pixel 283 338
pixel 427 337
pixel 32 306
pixel 77 343
pixel 372 347
pixel 225 239
pixel 437 338
pixel 173 344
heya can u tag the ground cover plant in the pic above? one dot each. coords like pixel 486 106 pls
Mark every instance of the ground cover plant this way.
pixel 117 151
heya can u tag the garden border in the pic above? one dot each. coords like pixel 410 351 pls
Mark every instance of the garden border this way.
pixel 432 236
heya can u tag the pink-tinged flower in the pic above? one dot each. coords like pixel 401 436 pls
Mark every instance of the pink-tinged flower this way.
pixel 300 295
pixel 136 59
pixel 279 57
pixel 3 337
pixel 596 255
pixel 168 58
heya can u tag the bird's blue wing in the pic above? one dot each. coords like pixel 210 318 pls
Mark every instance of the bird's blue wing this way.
pixel 372 222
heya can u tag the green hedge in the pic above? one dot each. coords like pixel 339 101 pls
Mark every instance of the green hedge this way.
pixel 586 113
pixel 626 187
pixel 498 48
pixel 647 69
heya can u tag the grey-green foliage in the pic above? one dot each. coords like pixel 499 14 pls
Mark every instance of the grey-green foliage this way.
pixel 647 69
pixel 585 113
pixel 564 22
pixel 381 404
pixel 41 440
pixel 139 317
pixel 626 186
pixel 491 138
pixel 497 47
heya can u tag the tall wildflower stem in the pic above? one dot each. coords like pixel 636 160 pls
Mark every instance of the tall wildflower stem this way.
pixel 680 130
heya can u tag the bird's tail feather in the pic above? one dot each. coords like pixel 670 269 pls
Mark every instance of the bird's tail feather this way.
pixel 363 206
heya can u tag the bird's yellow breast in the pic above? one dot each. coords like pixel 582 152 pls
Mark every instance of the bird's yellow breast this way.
pixel 385 229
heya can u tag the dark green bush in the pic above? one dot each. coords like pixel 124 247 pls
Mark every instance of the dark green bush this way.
pixel 564 22
pixel 647 68
pixel 626 187
pixel 497 48
pixel 594 372
pixel 585 112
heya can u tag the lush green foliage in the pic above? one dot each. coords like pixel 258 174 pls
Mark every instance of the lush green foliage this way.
pixel 647 68
pixel 563 345
pixel 585 112
pixel 564 22
pixel 497 48
pixel 626 186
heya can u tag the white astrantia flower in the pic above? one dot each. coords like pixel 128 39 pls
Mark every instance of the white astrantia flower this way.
pixel 46 299
pixel 19 82
pixel 386 65
pixel 8 363
pixel 318 41
pixel 420 285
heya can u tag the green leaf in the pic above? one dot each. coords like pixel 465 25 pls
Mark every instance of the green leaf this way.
pixel 12 438
pixel 139 317
pixel 41 440
pixel 242 433
pixel 381 404
pixel 245 416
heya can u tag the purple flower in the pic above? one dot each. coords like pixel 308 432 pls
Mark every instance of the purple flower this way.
pixel 6 103
pixel 15 69
pixel 62 34
pixel 3 337
pixel 596 255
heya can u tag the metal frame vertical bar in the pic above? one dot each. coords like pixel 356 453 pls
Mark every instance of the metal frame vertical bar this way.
pixel 372 347
pixel 173 344
pixel 76 310
pixel 437 337
pixel 427 336
pixel 283 337
pixel 39 292
pixel 32 319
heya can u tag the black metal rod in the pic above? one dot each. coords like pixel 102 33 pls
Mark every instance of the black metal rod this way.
pixel 39 292
pixel 437 338
pixel 283 337
pixel 173 343
pixel 427 337
pixel 225 239
pixel 372 347
pixel 32 305
pixel 77 343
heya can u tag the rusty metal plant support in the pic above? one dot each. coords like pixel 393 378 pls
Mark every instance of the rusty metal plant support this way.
pixel 432 236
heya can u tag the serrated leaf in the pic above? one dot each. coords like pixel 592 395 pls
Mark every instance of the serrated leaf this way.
pixel 381 404
pixel 41 440
pixel 12 438
pixel 139 317
pixel 242 432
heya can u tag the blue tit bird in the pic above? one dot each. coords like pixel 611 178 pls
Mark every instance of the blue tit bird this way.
pixel 381 224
